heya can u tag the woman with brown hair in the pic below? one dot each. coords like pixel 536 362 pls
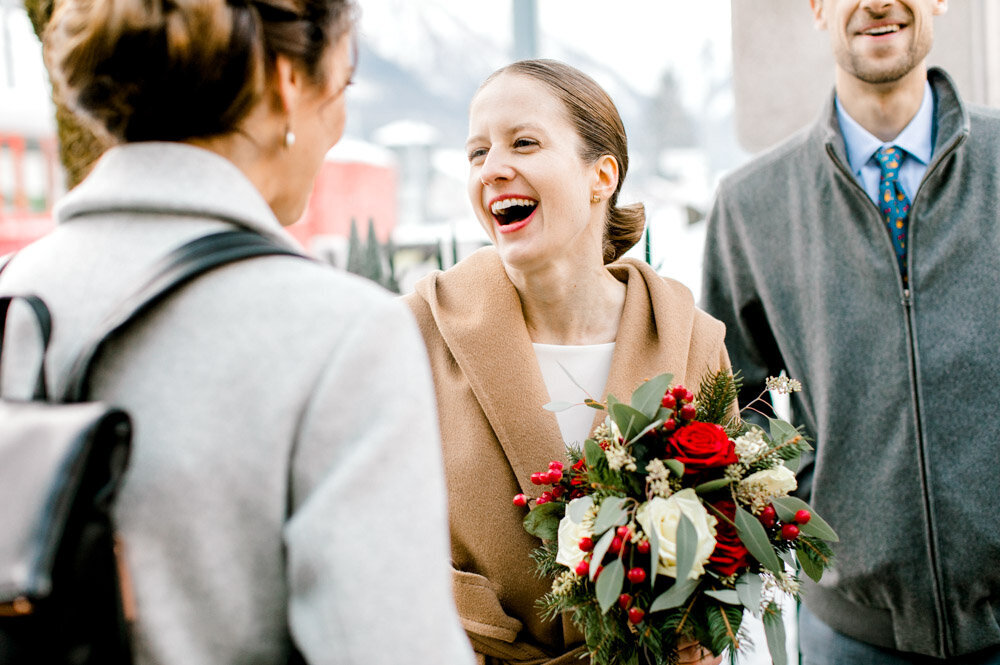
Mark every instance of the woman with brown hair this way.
pixel 548 156
pixel 285 495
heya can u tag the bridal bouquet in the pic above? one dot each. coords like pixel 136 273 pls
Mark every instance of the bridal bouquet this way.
pixel 674 519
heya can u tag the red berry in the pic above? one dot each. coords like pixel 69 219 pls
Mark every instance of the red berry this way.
pixel 616 545
pixel 768 516
pixel 586 544
pixel 678 392
pixel 579 465
pixel 624 532
pixel 669 424
pixel 802 516
pixel 789 531
pixel 688 412
pixel 643 546
pixel 558 491
pixel 536 478
pixel 582 568
pixel 553 476
pixel 637 575
pixel 556 465
pixel 544 498
pixel 668 401
pixel 635 615
pixel 688 396
pixel 520 500
pixel 624 601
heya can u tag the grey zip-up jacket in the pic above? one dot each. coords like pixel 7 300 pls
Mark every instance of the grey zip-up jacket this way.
pixel 901 387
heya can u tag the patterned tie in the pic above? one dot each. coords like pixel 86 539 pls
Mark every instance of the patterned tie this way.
pixel 894 204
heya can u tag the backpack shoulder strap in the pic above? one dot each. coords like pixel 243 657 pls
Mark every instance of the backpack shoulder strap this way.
pixel 178 268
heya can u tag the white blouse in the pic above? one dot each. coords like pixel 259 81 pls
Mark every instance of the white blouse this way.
pixel 589 366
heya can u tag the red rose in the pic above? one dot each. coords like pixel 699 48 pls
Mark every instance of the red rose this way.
pixel 701 446
pixel 730 556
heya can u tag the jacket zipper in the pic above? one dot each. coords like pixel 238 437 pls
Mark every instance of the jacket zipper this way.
pixel 944 640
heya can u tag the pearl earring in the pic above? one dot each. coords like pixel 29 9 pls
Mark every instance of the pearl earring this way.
pixel 289 138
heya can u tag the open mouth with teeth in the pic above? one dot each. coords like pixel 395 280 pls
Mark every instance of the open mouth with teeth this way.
pixel 512 210
pixel 882 30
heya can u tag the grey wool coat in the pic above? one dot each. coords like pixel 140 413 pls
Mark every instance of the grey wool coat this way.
pixel 286 477
pixel 900 386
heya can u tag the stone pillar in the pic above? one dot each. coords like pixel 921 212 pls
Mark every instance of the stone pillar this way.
pixel 783 66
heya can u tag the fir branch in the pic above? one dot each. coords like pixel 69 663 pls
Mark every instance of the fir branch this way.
pixel 817 550
pixel 717 394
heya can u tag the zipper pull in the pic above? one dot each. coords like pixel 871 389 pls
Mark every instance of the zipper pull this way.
pixel 906 298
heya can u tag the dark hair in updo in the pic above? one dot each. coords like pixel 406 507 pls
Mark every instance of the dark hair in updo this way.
pixel 169 70
pixel 601 132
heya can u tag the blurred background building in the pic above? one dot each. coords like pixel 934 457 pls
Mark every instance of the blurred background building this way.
pixel 700 86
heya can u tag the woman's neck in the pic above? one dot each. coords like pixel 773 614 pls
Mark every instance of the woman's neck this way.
pixel 570 305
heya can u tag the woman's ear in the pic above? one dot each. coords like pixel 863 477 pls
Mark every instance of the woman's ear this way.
pixel 606 177
pixel 288 84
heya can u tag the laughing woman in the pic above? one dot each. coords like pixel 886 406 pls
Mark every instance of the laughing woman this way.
pixel 547 156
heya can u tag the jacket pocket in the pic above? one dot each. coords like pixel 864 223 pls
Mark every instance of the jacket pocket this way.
pixel 491 630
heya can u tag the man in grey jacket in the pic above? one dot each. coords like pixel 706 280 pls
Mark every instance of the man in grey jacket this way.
pixel 861 256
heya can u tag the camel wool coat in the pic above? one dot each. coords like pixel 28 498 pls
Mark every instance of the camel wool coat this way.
pixel 495 433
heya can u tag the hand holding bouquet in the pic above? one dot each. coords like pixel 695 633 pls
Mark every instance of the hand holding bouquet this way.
pixel 673 519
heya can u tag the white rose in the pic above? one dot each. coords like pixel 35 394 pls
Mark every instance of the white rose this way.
pixel 770 483
pixel 662 517
pixel 568 539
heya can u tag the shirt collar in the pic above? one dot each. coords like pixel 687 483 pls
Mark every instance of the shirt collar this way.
pixel 916 138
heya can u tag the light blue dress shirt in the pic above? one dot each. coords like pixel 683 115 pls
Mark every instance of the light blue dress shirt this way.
pixel 917 139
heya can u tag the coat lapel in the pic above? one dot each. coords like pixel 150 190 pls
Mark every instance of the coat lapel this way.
pixel 654 334
pixel 485 331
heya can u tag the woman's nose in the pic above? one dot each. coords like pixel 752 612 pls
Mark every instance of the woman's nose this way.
pixel 495 168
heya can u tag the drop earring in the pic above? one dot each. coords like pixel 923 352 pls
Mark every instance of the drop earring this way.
pixel 289 137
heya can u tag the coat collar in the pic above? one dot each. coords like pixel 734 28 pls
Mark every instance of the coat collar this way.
pixel 173 179
pixel 478 313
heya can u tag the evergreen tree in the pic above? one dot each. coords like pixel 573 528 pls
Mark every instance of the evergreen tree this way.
pixel 373 257
pixel 355 251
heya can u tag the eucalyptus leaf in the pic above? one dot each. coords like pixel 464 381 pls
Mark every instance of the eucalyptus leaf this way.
pixel 600 549
pixel 810 567
pixel 558 406
pixel 687 546
pixel 649 428
pixel 592 452
pixel 676 467
pixel 787 506
pixel 793 463
pixel 594 404
pixel 754 537
pixel 543 521
pixel 675 596
pixel 728 596
pixel 788 557
pixel 577 508
pixel 774 631
pixel 609 585
pixel 713 485
pixel 663 414
pixel 648 396
pixel 781 431
pixel 749 587
pixel 630 422
pixel 610 514
pixel 654 556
